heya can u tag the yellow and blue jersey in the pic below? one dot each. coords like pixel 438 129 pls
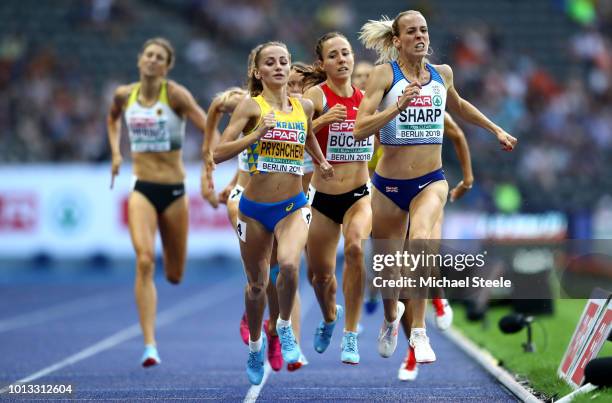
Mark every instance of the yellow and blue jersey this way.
pixel 281 149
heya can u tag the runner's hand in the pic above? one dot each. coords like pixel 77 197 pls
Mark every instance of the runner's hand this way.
pixel 115 165
pixel 268 122
pixel 506 140
pixel 327 170
pixel 224 195
pixel 458 191
pixel 336 114
pixel 207 187
pixel 411 91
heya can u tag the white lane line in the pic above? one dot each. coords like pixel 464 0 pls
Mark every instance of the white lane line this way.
pixel 57 311
pixel 202 300
pixel 490 364
pixel 307 304
pixel 253 392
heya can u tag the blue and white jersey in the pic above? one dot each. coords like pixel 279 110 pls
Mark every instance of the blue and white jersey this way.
pixel 423 121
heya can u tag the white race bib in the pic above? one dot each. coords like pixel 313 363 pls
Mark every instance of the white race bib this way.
pixel 149 134
pixel 342 146
pixel 282 150
pixel 422 121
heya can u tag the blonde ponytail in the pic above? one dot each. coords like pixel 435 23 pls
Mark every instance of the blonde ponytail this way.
pixel 378 35
pixel 225 96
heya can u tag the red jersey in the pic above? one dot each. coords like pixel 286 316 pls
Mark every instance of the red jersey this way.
pixel 336 140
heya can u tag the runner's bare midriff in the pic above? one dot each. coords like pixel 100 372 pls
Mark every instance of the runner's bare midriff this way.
pixel 273 187
pixel 162 167
pixel 346 177
pixel 407 162
pixel 243 178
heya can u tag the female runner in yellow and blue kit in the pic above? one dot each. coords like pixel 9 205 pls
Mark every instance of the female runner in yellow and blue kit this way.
pixel 225 103
pixel 276 129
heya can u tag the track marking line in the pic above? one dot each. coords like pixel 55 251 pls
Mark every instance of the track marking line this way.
pixel 202 300
pixel 486 361
pixel 255 390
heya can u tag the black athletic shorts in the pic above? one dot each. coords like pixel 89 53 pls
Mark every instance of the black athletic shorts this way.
pixel 159 194
pixel 335 206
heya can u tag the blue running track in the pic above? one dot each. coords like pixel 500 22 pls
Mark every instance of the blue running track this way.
pixel 81 328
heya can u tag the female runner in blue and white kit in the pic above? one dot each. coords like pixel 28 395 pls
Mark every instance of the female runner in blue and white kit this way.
pixel 341 205
pixel 155 111
pixel 409 183
pixel 443 313
pixel 276 129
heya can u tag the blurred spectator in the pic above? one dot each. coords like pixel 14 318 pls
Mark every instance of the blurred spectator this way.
pixel 335 15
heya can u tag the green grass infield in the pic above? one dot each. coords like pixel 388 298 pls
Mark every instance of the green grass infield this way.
pixel 551 335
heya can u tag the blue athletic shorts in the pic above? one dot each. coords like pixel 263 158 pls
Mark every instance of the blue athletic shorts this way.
pixel 274 272
pixel 269 214
pixel 402 191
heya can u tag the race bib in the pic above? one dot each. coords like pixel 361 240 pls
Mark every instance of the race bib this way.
pixel 148 134
pixel 310 194
pixel 306 215
pixel 282 149
pixel 422 121
pixel 241 228
pixel 342 146
pixel 235 193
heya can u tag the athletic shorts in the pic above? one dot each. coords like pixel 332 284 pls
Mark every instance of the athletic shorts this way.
pixel 402 191
pixel 274 272
pixel 269 214
pixel 335 207
pixel 160 195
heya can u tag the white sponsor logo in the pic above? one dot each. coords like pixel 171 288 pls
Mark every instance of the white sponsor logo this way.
pixel 425 184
